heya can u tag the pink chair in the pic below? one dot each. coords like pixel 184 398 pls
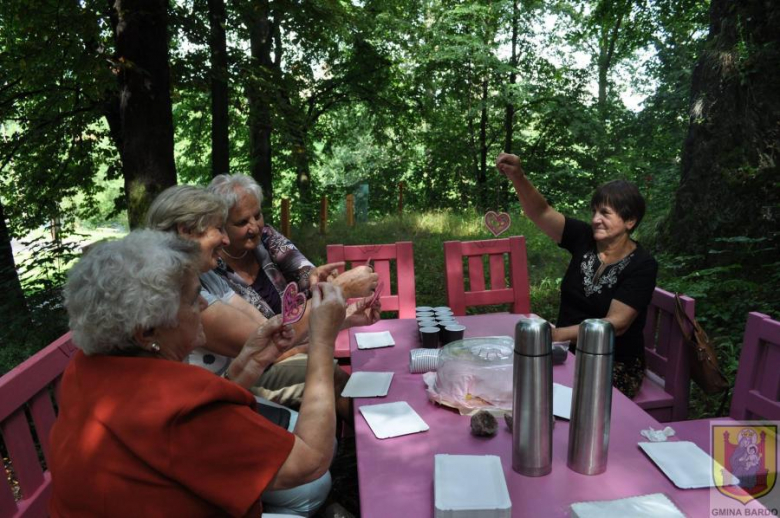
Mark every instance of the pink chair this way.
pixel 29 389
pixel 516 292
pixel 403 301
pixel 665 389
pixel 757 389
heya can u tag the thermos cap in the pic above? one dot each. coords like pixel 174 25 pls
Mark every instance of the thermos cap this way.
pixel 533 337
pixel 596 336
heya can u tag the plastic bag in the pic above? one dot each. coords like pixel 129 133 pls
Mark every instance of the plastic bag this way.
pixel 474 374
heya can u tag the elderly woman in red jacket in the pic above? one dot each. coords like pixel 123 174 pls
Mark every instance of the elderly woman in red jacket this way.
pixel 140 432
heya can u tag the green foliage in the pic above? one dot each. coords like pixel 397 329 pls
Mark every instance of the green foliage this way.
pixel 724 297
pixel 428 231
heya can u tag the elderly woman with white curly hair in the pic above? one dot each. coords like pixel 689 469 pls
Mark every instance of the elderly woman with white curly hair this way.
pixel 259 261
pixel 136 427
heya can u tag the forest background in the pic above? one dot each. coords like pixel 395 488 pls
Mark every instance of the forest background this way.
pixel 103 104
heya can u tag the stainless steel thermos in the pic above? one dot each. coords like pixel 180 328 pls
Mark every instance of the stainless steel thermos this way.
pixel 532 399
pixel 591 404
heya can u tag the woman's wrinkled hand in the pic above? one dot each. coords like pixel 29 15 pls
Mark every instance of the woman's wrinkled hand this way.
pixel 327 314
pixel 361 314
pixel 325 273
pixel 357 282
pixel 271 339
pixel 509 165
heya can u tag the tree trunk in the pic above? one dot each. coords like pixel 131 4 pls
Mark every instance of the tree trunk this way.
pixel 510 106
pixel 509 114
pixel 730 157
pixel 220 143
pixel 258 96
pixel 13 308
pixel 483 148
pixel 141 118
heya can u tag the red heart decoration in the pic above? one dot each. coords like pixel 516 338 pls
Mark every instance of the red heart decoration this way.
pixel 293 304
pixel 497 223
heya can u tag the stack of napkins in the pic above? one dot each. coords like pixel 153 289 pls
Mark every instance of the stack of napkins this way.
pixel 656 505
pixel 374 340
pixel 470 486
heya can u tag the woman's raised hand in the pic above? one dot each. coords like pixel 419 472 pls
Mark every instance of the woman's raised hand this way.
pixel 357 282
pixel 327 313
pixel 509 165
pixel 271 339
pixel 325 273
pixel 360 314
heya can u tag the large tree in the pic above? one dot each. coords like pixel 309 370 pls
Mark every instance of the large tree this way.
pixel 140 113
pixel 729 186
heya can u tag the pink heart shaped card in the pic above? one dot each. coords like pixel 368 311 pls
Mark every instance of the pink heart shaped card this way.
pixel 377 292
pixel 293 304
pixel 497 223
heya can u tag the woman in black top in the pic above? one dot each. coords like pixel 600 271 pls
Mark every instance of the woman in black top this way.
pixel 610 275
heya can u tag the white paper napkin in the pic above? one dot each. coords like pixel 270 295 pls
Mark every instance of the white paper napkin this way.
pixel 368 384
pixel 686 465
pixel 562 401
pixel 392 419
pixel 374 340
pixel 656 505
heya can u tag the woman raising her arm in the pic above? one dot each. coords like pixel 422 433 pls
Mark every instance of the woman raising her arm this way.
pixel 610 275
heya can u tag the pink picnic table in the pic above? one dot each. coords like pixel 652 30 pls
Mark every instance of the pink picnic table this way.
pixel 396 475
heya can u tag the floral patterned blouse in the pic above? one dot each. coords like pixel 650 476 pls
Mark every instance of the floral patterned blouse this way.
pixel 280 263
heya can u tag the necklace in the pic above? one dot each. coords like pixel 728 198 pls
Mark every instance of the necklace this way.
pixel 238 258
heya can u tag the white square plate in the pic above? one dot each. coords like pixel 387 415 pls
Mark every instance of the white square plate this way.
pixel 470 486
pixel 656 505
pixel 392 419
pixel 686 465
pixel 374 340
pixel 368 384
pixel 562 401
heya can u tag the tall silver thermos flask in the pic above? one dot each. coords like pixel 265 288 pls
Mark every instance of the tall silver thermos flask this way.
pixel 532 425
pixel 591 404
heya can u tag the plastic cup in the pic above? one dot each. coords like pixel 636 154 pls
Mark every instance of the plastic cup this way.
pixel 429 336
pixel 453 333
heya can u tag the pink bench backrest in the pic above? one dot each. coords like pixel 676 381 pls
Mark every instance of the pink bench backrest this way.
pixel 516 291
pixel 757 389
pixel 28 389
pixel 665 351
pixel 404 300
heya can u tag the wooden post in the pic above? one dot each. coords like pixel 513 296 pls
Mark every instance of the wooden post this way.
pixel 400 197
pixel 323 215
pixel 350 210
pixel 286 217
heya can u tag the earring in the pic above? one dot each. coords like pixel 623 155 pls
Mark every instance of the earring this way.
pixel 155 348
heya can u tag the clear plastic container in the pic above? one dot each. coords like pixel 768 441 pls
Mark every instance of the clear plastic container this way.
pixel 474 374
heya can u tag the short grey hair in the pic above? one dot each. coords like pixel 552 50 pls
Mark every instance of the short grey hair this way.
pixel 193 207
pixel 230 187
pixel 121 286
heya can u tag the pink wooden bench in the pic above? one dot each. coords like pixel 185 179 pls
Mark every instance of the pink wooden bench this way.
pixel 757 389
pixel 666 388
pixel 27 413
pixel 517 292
pixel 404 299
